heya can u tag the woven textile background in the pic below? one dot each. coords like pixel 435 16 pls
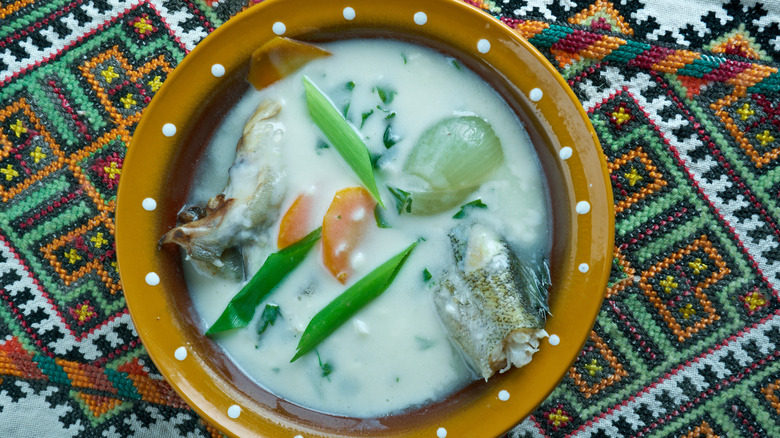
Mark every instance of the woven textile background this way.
pixel 683 94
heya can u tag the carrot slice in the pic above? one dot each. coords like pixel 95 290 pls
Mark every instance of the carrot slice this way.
pixel 343 227
pixel 296 222
pixel 279 58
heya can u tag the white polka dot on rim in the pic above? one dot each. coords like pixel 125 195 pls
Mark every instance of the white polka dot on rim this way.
pixel 149 204
pixel 441 432
pixel 218 70
pixel 503 395
pixel 169 130
pixel 536 94
pixel 483 46
pixel 565 153
pixel 582 207
pixel 152 279
pixel 349 13
pixel 554 340
pixel 298 436
pixel 584 267
pixel 420 18
pixel 279 28
pixel 180 353
pixel 234 411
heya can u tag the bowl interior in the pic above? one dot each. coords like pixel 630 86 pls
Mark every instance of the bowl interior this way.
pixel 161 168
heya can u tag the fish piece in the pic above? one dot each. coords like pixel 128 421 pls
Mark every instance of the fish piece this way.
pixel 493 305
pixel 250 202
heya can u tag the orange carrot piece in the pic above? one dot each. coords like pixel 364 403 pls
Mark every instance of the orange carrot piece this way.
pixel 279 58
pixel 296 222
pixel 343 227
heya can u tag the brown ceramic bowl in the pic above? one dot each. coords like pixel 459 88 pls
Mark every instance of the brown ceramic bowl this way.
pixel 159 167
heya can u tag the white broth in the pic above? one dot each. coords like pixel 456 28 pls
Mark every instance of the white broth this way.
pixel 395 353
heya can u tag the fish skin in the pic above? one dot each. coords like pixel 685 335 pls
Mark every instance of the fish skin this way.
pixel 485 303
pixel 240 213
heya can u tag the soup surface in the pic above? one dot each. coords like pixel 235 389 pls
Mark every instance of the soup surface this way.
pixel 395 353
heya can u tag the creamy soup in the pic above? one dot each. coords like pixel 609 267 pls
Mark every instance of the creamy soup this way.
pixel 395 353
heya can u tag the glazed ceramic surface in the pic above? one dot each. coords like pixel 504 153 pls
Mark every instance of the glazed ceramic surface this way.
pixel 178 124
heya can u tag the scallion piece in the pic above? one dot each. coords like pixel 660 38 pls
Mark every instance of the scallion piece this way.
pixel 342 135
pixel 241 309
pixel 381 221
pixel 330 318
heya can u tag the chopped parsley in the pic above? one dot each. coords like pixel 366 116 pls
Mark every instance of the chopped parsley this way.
pixel 390 138
pixel 473 204
pixel 326 367
pixel 403 199
pixel 386 95
pixel 270 313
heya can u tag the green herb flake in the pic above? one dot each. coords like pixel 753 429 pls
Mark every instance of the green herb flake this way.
pixel 423 343
pixel 350 86
pixel 351 301
pixel 390 116
pixel 473 204
pixel 386 95
pixel 379 215
pixel 390 138
pixel 326 367
pixel 403 58
pixel 403 199
pixel 270 313
pixel 454 62
pixel 364 116
pixel 342 135
pixel 427 275
pixel 321 145
pixel 241 309
pixel 375 161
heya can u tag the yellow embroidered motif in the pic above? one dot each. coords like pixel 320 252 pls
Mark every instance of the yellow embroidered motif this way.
pixel 558 417
pixel 112 170
pixel 633 176
pixel 697 266
pixel 72 256
pixel 83 312
pixel 593 367
pixel 109 74
pixel 755 300
pixel 765 138
pixel 128 101
pixel 9 172
pixel 668 284
pixel 688 311
pixel 155 83
pixel 98 240
pixel 18 128
pixel 621 116
pixel 143 26
pixel 37 155
pixel 745 111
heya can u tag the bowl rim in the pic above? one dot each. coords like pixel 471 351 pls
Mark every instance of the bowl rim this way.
pixel 145 175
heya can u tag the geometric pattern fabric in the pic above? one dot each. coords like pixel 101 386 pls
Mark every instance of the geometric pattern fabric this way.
pixel 686 105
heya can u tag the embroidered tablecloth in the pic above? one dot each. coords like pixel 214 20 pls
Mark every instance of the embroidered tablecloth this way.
pixel 683 95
